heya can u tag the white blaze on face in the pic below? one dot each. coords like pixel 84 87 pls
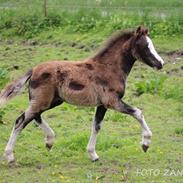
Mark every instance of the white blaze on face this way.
pixel 153 51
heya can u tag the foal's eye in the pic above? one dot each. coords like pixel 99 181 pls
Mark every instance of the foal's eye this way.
pixel 146 46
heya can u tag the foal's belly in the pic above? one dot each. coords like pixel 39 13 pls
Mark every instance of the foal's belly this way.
pixel 79 96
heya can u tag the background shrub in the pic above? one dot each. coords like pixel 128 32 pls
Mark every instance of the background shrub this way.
pixel 28 20
pixel 153 85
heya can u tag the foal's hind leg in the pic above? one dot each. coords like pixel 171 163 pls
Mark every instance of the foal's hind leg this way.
pixel 20 123
pixel 100 112
pixel 137 114
pixel 49 133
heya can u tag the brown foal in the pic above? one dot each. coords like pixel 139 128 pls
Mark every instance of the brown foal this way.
pixel 99 81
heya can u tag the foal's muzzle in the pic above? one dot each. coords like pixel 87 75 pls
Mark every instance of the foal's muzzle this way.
pixel 159 65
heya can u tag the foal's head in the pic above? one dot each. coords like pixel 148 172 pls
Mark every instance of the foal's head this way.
pixel 143 49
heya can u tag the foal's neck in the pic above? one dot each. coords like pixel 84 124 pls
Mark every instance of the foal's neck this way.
pixel 118 57
pixel 127 62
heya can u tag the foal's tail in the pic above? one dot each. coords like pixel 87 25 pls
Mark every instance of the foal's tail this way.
pixel 14 88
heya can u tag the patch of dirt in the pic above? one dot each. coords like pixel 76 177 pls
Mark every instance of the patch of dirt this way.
pixel 176 54
pixel 179 160
pixel 81 46
pixel 16 67
pixel 174 58
pixel 109 170
pixel 73 44
pixel 175 71
pixel 30 43
pixel 51 116
pixel 40 166
pixel 59 44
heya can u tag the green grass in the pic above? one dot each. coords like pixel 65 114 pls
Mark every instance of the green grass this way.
pixel 121 157
pixel 118 142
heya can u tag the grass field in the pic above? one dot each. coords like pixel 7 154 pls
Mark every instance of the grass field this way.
pixel 158 93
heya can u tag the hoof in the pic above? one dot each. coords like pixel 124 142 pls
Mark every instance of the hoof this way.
pixel 49 147
pixel 11 162
pixel 94 160
pixel 145 147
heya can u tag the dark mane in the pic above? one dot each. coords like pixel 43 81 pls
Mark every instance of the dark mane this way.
pixel 119 35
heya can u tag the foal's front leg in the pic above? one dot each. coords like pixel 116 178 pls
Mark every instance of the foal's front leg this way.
pixel 137 114
pixel 99 115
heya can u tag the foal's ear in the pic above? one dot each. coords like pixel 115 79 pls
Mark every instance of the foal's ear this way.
pixel 141 31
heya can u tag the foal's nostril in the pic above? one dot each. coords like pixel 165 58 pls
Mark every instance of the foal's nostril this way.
pixel 160 66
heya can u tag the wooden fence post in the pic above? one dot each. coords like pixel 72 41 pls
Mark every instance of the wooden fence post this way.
pixel 45 8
